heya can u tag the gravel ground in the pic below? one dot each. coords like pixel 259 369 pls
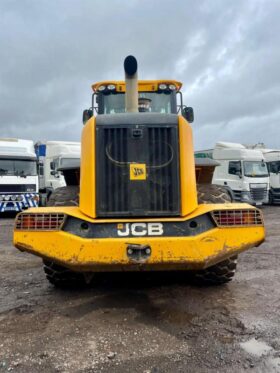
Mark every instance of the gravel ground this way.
pixel 140 323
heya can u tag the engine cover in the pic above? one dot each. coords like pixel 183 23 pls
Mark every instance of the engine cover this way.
pixel 137 165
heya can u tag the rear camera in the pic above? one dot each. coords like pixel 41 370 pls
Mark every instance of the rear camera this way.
pixel 193 224
pixel 84 226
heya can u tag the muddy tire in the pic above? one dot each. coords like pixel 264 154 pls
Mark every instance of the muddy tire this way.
pixel 57 275
pixel 218 274
pixel 224 271
pixel 210 193
pixel 62 277
pixel 64 196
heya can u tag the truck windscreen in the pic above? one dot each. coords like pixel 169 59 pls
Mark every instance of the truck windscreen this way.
pixel 274 167
pixel 70 162
pixel 255 169
pixel 113 103
pixel 17 167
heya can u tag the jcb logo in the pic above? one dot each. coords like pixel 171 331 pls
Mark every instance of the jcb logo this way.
pixel 140 229
pixel 138 171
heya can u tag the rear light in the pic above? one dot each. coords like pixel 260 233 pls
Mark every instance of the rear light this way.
pixel 39 222
pixel 237 218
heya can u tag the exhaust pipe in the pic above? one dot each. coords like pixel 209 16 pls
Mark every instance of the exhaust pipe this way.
pixel 131 83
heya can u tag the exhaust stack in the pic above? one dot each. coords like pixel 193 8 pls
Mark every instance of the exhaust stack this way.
pixel 131 83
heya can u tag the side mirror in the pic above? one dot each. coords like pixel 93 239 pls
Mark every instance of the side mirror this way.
pixel 52 166
pixel 87 114
pixel 188 114
pixel 53 173
pixel 238 173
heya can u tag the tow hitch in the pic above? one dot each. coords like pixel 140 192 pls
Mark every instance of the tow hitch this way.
pixel 138 253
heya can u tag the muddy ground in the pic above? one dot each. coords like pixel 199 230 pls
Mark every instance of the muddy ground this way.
pixel 142 324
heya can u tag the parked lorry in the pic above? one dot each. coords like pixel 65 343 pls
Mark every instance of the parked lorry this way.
pixel 272 159
pixel 137 205
pixel 19 187
pixel 53 157
pixel 242 171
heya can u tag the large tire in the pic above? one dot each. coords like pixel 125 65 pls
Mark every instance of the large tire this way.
pixel 218 274
pixel 62 277
pixel 210 193
pixel 224 271
pixel 58 275
pixel 65 196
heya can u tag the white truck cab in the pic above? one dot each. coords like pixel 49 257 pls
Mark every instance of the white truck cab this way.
pixel 19 184
pixel 52 156
pixel 242 171
pixel 272 159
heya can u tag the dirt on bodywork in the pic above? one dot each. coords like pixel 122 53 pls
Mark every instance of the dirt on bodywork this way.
pixel 141 322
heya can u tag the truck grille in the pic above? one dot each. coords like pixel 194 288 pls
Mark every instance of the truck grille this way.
pixel 17 188
pixel 123 148
pixel 258 194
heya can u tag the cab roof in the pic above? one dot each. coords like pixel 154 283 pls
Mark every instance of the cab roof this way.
pixel 143 85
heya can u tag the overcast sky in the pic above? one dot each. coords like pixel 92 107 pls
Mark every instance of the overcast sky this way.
pixel 227 54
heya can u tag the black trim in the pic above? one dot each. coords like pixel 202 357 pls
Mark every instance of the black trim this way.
pixel 191 227
pixel 17 188
pixel 18 157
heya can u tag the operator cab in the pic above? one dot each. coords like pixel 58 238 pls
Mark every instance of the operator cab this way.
pixel 153 97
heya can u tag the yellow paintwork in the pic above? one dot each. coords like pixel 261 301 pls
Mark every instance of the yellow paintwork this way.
pixel 187 168
pixel 107 254
pixel 143 85
pixel 87 181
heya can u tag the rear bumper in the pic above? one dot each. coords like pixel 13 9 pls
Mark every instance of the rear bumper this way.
pixel 167 253
pixel 26 200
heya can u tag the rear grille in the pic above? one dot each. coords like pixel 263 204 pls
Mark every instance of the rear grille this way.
pixel 258 194
pixel 45 222
pixel 227 218
pixel 17 188
pixel 154 147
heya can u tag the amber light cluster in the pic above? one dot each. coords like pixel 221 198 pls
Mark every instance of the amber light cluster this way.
pixel 43 222
pixel 237 218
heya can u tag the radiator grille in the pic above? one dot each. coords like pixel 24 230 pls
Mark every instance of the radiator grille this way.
pixel 46 222
pixel 154 146
pixel 258 194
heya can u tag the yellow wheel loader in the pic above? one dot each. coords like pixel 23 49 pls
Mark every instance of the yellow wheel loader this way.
pixel 134 204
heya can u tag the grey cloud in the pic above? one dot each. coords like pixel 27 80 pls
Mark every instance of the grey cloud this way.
pixel 226 53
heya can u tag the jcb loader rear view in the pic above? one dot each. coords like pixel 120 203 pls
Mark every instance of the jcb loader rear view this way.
pixel 134 204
